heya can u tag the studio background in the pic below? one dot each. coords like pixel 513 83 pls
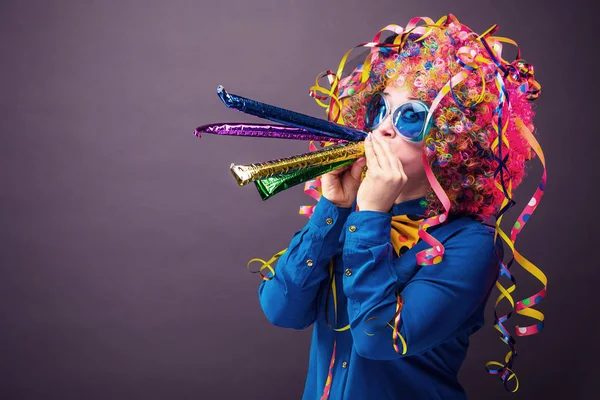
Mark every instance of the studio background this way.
pixel 124 238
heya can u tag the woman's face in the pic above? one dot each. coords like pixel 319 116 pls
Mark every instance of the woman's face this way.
pixel 409 153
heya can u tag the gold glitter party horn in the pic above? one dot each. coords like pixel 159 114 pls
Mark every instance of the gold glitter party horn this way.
pixel 245 174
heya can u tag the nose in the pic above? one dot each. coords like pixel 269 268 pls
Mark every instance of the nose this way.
pixel 386 128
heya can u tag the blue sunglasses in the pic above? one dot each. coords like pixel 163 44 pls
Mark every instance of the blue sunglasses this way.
pixel 408 119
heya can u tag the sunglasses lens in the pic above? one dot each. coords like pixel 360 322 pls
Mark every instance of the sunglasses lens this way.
pixel 376 112
pixel 409 120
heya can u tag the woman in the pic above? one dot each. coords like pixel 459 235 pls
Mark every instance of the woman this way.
pixel 448 139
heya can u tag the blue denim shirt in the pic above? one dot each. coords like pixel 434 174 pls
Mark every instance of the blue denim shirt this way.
pixel 443 303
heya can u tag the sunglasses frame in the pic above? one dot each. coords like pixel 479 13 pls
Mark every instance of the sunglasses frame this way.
pixel 424 129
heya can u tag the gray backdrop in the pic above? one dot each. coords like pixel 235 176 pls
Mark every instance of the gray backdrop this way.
pixel 125 238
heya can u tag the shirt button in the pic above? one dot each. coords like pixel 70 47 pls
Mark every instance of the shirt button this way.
pixel 352 228
pixel 344 364
pixel 348 272
pixel 329 221
pixel 309 263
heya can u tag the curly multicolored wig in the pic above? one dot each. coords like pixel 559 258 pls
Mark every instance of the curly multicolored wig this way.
pixel 480 138
pixel 459 144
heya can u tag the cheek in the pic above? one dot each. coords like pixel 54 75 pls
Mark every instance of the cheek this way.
pixel 409 155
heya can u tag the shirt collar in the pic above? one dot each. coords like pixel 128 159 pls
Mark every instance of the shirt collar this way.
pixel 409 207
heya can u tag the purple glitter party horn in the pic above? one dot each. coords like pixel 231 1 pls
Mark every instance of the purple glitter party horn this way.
pixel 263 130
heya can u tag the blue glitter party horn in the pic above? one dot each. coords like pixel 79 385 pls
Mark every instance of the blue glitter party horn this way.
pixel 291 118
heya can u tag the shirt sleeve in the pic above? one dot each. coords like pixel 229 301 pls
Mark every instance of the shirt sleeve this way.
pixel 289 298
pixel 437 299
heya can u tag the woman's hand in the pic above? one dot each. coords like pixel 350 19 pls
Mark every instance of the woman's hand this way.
pixel 340 186
pixel 385 177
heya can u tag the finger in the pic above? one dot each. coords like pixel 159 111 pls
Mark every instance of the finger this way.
pixel 382 156
pixel 397 165
pixel 357 168
pixel 391 158
pixel 372 163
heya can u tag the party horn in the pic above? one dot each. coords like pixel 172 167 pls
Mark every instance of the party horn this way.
pixel 245 174
pixel 291 118
pixel 268 187
pixel 262 130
